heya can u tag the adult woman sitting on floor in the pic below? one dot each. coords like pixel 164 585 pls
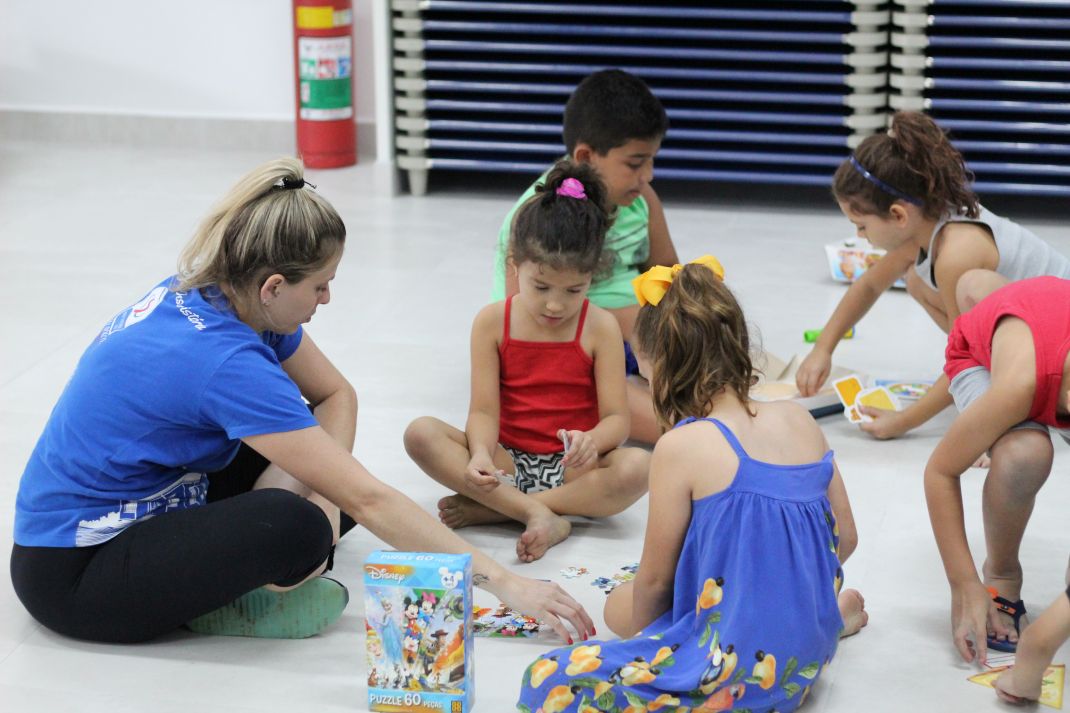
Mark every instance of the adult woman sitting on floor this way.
pixel 122 535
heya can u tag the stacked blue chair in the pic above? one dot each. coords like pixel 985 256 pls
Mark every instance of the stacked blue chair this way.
pixel 996 73
pixel 756 92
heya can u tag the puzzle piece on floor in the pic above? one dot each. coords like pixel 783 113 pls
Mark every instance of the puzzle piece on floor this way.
pixel 606 584
pixel 573 572
pixel 633 568
pixel 1051 689
pixel 503 622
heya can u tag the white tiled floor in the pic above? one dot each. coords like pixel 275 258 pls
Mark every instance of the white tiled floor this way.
pixel 84 230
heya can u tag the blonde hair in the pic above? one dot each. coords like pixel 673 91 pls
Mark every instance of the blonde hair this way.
pixel 697 342
pixel 267 223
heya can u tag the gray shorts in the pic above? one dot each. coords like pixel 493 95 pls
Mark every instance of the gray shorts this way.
pixel 969 384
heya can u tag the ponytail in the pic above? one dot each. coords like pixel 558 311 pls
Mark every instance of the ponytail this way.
pixel 267 223
pixel 914 158
pixel 564 224
pixel 698 345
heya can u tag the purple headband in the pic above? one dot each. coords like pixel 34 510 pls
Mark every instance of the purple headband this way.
pixel 572 188
pixel 882 185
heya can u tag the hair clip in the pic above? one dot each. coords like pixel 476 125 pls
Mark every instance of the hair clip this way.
pixel 572 188
pixel 293 183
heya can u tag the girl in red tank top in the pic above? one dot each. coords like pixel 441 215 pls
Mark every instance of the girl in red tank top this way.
pixel 549 408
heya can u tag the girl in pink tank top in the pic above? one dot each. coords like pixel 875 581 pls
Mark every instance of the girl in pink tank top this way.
pixel 549 408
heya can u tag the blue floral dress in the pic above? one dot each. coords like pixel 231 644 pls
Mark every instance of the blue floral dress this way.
pixel 754 618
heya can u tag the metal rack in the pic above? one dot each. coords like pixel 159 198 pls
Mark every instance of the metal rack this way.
pixel 996 73
pixel 756 92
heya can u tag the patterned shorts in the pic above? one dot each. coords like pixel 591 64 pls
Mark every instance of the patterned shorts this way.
pixel 537 471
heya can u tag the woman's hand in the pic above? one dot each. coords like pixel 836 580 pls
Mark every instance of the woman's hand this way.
pixel 813 372
pixel 549 603
pixel 581 450
pixel 970 606
pixel 481 473
pixel 886 424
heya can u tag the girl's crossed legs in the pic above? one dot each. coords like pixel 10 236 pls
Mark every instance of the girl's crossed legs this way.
pixel 609 487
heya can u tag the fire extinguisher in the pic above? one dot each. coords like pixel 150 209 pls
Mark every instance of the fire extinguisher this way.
pixel 323 53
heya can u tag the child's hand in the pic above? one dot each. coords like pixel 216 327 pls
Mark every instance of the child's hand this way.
pixel 813 372
pixel 581 450
pixel 969 620
pixel 1011 689
pixel 481 474
pixel 885 424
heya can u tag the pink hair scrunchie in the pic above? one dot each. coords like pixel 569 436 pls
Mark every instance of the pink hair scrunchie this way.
pixel 572 188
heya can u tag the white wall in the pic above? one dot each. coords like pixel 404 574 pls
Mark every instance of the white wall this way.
pixel 184 58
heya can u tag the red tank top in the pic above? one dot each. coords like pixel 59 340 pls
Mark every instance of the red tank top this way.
pixel 1043 303
pixel 544 386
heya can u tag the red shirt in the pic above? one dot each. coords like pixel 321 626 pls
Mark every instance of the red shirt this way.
pixel 1043 303
pixel 544 387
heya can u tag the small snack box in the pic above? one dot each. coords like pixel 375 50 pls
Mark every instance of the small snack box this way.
pixel 418 621
pixel 850 258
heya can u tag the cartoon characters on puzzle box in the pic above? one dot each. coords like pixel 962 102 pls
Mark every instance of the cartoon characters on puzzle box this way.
pixel 416 637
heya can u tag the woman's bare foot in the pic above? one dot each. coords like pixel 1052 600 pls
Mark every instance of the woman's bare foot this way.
pixel 456 511
pixel 853 611
pixel 542 533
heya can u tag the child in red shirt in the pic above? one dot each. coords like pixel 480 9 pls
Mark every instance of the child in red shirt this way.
pixel 549 405
pixel 1007 361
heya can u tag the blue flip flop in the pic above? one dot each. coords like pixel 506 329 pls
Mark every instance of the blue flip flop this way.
pixel 1015 610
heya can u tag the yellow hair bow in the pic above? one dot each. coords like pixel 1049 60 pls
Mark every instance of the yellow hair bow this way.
pixel 652 285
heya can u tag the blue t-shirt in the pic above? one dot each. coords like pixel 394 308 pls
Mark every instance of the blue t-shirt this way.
pixel 161 397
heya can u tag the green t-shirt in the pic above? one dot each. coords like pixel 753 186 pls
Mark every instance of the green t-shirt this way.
pixel 628 239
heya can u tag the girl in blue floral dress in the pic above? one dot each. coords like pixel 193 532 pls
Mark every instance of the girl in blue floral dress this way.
pixel 735 605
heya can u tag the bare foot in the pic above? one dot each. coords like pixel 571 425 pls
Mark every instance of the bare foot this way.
pixel 853 611
pixel 456 511
pixel 1010 588
pixel 541 533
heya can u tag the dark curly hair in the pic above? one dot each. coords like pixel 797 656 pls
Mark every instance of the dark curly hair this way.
pixel 561 231
pixel 916 158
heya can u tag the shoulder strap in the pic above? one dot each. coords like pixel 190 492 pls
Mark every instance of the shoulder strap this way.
pixel 583 317
pixel 505 329
pixel 725 431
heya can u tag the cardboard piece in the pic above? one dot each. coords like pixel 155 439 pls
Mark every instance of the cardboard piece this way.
pixel 418 620
pixel 1051 690
pixel 777 383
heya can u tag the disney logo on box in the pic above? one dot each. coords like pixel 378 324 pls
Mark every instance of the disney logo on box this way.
pixel 387 572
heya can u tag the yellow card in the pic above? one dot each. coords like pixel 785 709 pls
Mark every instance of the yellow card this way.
pixel 1051 689
pixel 879 397
pixel 847 389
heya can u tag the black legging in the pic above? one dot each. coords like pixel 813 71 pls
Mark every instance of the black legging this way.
pixel 160 573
